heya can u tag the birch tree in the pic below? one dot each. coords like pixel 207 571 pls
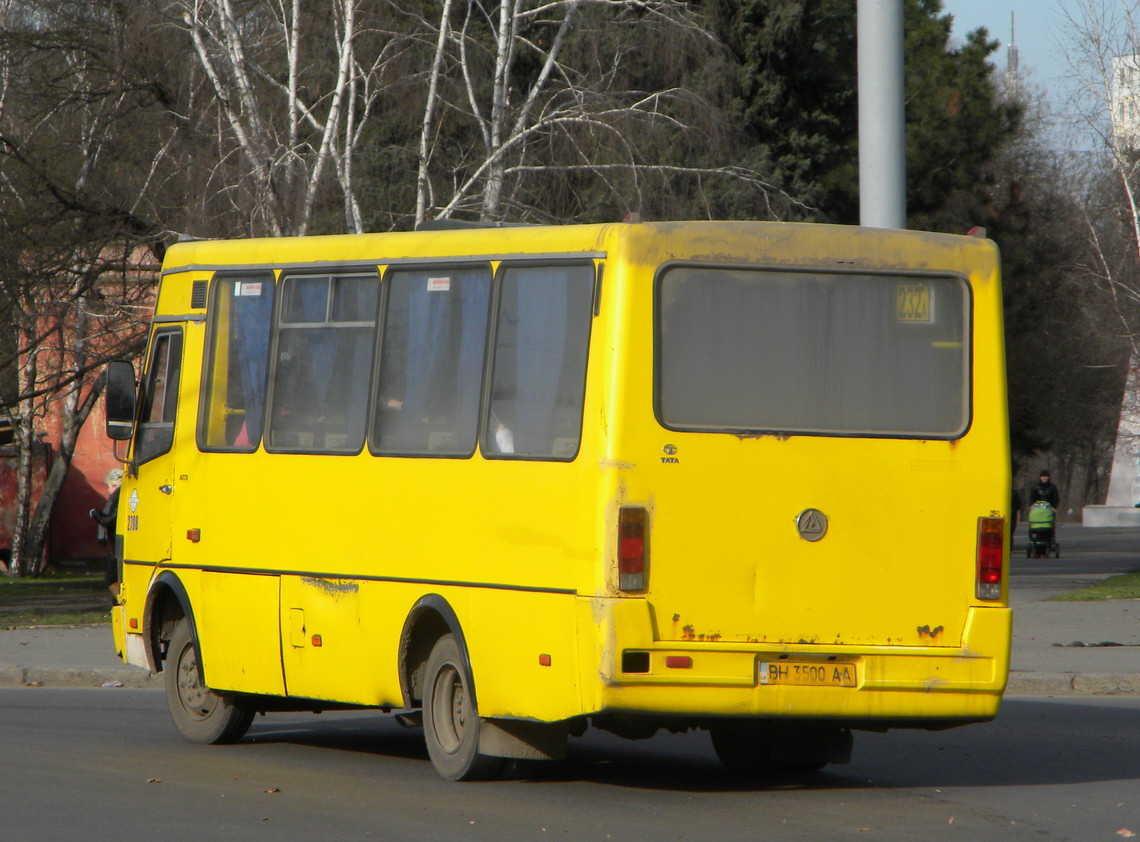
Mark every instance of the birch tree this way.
pixel 1104 57
pixel 292 117
pixel 1103 52
pixel 80 313
pixel 548 88
pixel 69 220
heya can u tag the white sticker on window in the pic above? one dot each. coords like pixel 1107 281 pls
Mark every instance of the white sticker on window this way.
pixel 438 284
pixel 249 288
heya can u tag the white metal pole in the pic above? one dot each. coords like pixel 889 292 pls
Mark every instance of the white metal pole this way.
pixel 882 140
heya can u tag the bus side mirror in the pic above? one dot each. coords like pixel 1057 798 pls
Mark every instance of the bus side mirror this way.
pixel 119 397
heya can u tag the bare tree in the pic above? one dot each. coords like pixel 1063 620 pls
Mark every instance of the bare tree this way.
pixel 68 221
pixel 288 113
pixel 1103 51
pixel 75 316
pixel 545 88
pixel 1104 57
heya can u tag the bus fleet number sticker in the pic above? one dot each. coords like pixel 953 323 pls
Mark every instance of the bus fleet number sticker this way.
pixel 914 303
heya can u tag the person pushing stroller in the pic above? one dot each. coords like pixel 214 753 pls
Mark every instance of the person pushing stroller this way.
pixel 1044 499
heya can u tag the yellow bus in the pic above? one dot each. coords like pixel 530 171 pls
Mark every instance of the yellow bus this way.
pixel 513 482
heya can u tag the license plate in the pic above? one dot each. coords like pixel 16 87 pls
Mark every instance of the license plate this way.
pixel 807 674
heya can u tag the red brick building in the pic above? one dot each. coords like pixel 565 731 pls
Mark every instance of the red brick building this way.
pixel 116 316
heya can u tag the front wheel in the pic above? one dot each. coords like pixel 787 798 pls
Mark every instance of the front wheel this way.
pixel 451 719
pixel 202 716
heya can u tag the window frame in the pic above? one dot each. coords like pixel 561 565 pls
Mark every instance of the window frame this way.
pixel 485 434
pixel 331 271
pixel 175 336
pixel 264 275
pixel 374 444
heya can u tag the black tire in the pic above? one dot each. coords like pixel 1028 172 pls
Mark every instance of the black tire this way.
pixel 202 716
pixel 742 747
pixel 761 747
pixel 451 719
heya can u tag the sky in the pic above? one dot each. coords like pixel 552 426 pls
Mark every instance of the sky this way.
pixel 1040 32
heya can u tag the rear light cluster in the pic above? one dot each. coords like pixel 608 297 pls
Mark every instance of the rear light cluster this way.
pixel 991 549
pixel 633 548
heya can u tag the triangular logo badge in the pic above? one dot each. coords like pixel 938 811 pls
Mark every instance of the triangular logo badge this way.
pixel 812 524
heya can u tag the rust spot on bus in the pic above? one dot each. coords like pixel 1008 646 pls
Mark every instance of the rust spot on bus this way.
pixel 332 587
pixel 932 633
pixel 690 633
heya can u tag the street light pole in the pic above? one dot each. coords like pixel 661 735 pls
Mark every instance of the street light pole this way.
pixel 882 141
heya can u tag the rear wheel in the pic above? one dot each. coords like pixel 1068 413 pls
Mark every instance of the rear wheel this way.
pixel 451 719
pixel 202 716
pixel 766 747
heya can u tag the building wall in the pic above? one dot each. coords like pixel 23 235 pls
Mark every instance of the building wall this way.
pixel 121 311
pixel 8 482
pixel 73 532
pixel 1124 90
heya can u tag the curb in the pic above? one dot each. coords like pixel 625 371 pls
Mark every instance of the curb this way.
pixel 1073 684
pixel 130 677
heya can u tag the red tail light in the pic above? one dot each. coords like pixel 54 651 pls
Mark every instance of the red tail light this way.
pixel 632 548
pixel 991 548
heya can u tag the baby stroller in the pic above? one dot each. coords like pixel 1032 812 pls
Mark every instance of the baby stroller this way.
pixel 1042 531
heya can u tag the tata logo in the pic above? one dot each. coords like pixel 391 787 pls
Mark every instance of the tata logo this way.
pixel 670 457
pixel 811 524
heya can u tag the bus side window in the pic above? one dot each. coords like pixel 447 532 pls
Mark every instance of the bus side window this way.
pixel 538 380
pixel 233 400
pixel 431 361
pixel 323 363
pixel 159 407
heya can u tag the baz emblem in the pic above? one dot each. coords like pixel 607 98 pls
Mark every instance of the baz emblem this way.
pixel 811 524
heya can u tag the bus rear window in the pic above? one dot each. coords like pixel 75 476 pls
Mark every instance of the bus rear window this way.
pixel 822 353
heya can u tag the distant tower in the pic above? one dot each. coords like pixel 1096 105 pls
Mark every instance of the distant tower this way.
pixel 1012 68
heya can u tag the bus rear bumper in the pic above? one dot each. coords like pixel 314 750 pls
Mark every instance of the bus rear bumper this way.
pixel 874 685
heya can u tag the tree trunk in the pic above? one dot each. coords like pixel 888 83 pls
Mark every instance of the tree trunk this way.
pixel 19 563
pixel 74 418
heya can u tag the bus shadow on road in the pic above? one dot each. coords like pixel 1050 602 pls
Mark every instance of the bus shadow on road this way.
pixel 364 732
pixel 1033 742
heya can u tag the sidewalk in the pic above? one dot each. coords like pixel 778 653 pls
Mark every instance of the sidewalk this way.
pixel 1044 661
pixel 66 656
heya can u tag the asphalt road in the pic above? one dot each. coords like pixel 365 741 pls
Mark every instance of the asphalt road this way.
pixel 101 764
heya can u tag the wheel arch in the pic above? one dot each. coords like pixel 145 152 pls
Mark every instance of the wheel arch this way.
pixel 167 602
pixel 429 619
